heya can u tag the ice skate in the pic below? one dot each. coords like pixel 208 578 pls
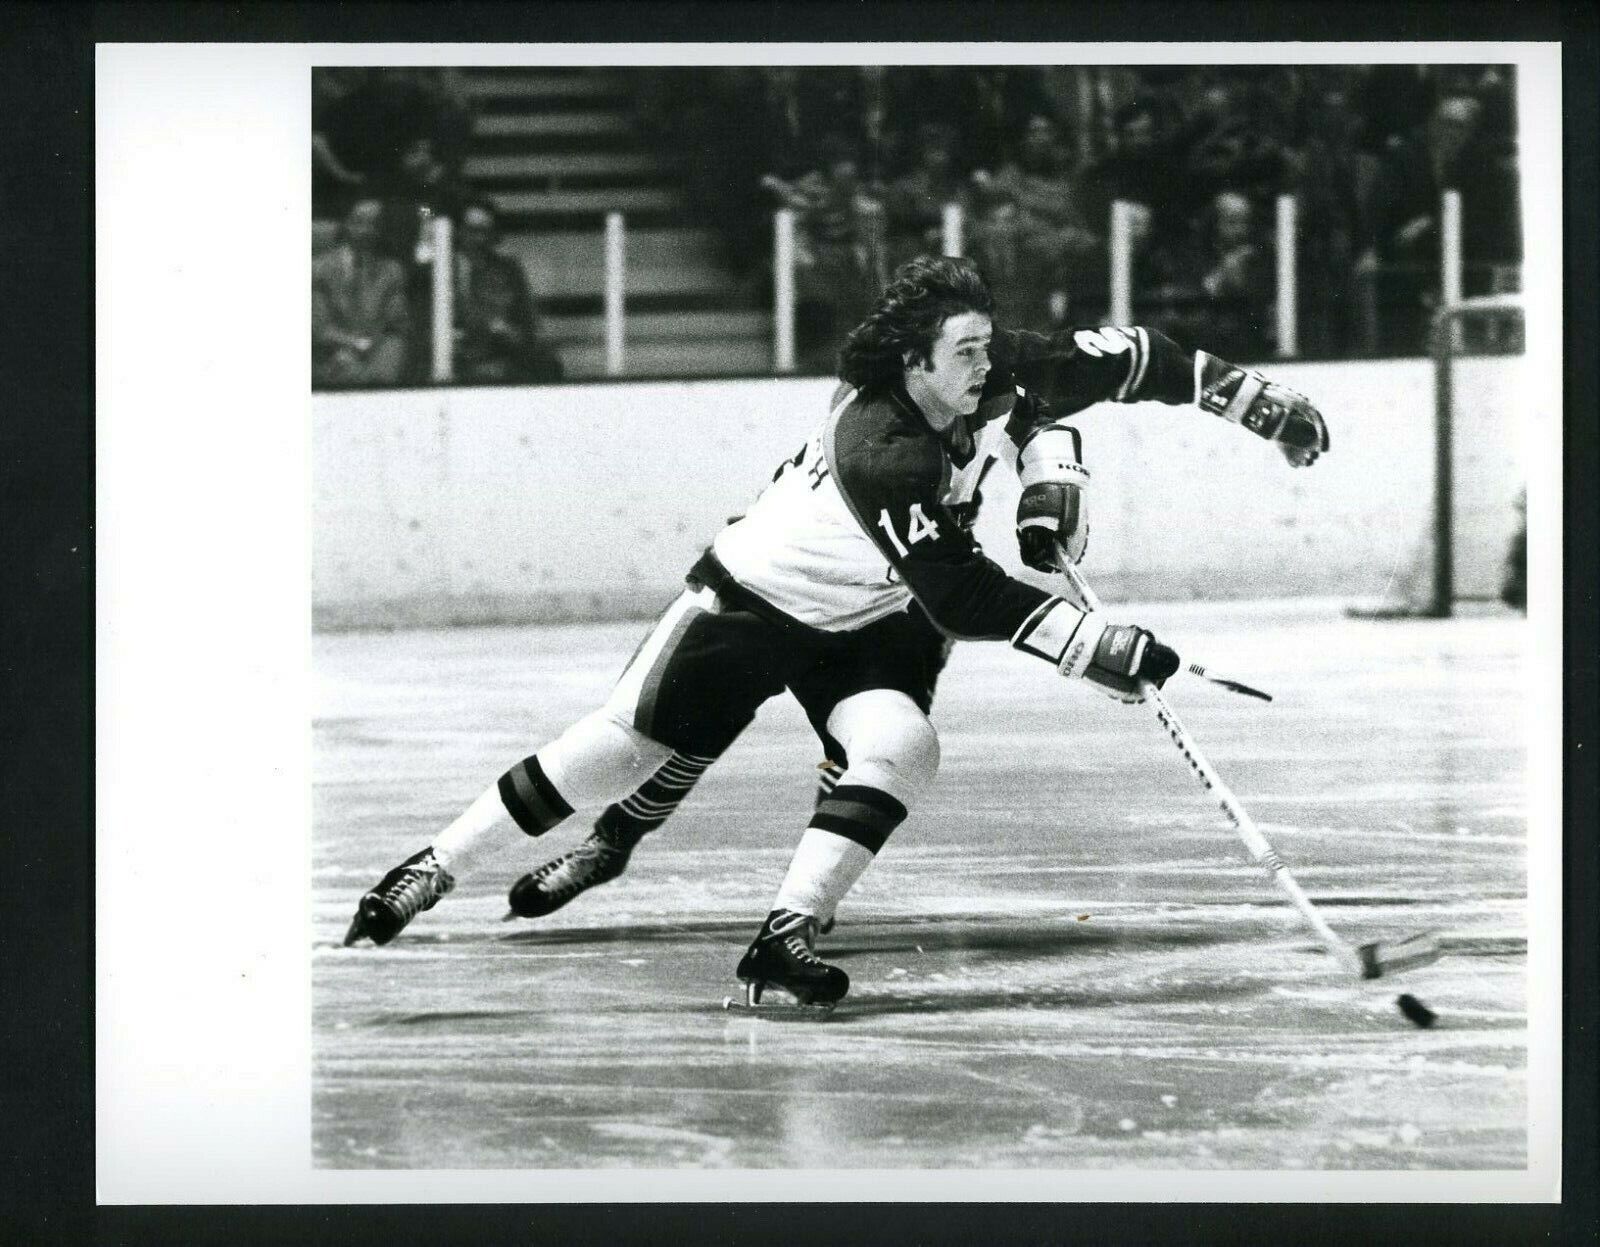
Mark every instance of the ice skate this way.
pixel 599 859
pixel 411 887
pixel 781 957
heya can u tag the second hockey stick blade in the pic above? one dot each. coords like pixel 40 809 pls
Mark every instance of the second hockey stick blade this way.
pixel 1233 686
pixel 1392 956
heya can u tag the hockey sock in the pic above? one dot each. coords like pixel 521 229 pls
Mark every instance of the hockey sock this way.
pixel 655 800
pixel 527 794
pixel 828 772
pixel 462 840
pixel 849 827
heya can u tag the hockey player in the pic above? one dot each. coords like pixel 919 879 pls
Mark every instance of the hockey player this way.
pixel 810 590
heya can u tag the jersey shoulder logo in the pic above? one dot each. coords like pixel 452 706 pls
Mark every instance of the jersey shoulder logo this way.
pixel 1103 341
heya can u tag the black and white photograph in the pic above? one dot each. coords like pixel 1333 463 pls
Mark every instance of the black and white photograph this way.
pixel 928 621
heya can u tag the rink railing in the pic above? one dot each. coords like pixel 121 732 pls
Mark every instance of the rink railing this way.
pixel 1121 245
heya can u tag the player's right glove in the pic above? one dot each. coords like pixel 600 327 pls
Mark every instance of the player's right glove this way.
pixel 1266 408
pixel 1113 657
pixel 1124 654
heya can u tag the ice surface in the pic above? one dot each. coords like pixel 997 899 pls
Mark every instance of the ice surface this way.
pixel 1062 960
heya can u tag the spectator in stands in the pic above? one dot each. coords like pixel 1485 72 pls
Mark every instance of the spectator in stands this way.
pixel 1233 280
pixel 1231 144
pixel 453 113
pixel 1333 183
pixel 803 106
pixel 878 137
pixel 946 95
pixel 359 319
pixel 1004 99
pixel 1392 100
pixel 787 123
pixel 381 118
pixel 916 201
pixel 1494 87
pixel 1033 237
pixel 335 178
pixel 840 249
pixel 497 336
pixel 1405 257
pixel 421 189
pixel 1140 168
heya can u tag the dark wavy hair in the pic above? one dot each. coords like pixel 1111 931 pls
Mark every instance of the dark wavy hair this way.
pixel 921 295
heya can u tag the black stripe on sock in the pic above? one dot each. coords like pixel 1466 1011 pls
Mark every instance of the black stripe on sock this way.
pixel 531 799
pixel 864 815
pixel 877 798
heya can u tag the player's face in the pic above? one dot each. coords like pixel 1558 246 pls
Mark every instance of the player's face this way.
pixel 951 382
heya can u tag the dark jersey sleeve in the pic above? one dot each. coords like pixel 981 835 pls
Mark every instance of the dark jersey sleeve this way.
pixel 893 487
pixel 1077 368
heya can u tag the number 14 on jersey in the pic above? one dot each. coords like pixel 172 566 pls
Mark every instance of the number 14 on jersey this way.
pixel 918 526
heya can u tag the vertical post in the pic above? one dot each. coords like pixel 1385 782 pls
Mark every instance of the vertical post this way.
pixel 1121 312
pixel 1288 290
pixel 1450 261
pixel 1083 79
pixel 953 241
pixel 444 301
pixel 1450 249
pixel 783 290
pixel 615 255
pixel 1444 326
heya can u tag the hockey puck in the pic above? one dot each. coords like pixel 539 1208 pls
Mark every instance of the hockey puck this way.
pixel 1416 1012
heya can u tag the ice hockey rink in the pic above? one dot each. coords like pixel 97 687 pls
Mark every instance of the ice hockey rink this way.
pixel 1063 960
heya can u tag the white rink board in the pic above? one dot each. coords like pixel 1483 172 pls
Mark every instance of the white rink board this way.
pixel 590 502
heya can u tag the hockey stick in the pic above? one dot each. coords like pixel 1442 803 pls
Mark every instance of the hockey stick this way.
pixel 1232 685
pixel 1369 961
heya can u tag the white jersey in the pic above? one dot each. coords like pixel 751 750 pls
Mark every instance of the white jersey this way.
pixel 876 508
pixel 801 548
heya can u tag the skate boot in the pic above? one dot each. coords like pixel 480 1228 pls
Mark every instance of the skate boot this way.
pixel 599 859
pixel 781 957
pixel 414 885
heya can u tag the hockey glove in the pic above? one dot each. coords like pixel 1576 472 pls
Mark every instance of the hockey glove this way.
pixel 1119 656
pixel 1053 512
pixel 1267 409
pixel 1052 526
pixel 1112 657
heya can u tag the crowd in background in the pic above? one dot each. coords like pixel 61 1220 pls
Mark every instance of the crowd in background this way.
pixel 387 152
pixel 1034 156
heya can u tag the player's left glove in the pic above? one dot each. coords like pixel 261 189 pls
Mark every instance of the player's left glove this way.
pixel 1266 408
pixel 1052 525
pixel 1053 512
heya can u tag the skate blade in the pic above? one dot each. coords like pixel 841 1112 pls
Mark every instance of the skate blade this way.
pixel 356 931
pixel 1391 957
pixel 775 1003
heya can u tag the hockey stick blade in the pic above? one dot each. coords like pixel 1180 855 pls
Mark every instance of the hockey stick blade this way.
pixel 1233 686
pixel 1381 958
